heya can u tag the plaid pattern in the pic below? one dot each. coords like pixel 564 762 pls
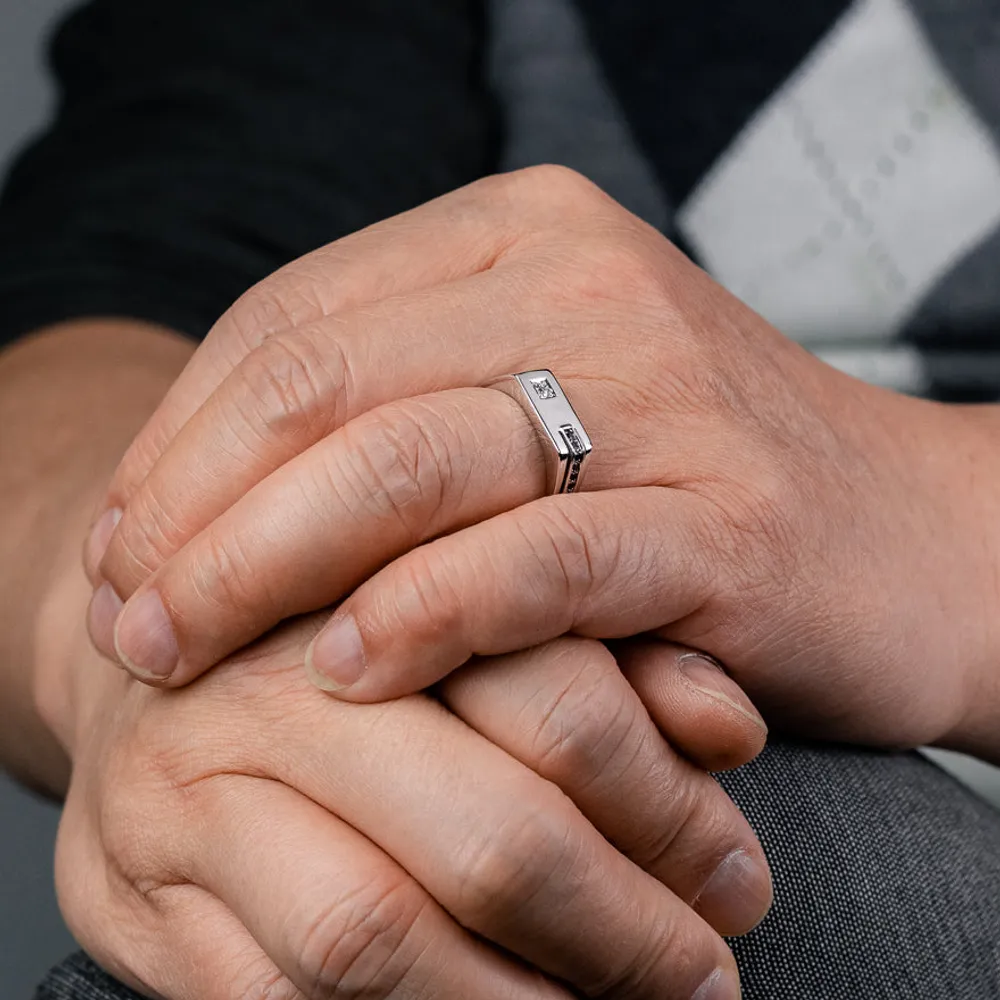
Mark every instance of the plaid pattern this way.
pixel 649 108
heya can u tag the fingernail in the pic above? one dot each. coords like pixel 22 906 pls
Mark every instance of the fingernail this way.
pixel 741 888
pixel 336 658
pixel 100 536
pixel 704 674
pixel 105 606
pixel 145 640
pixel 720 985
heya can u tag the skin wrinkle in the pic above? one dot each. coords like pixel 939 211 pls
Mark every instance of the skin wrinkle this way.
pixel 158 539
pixel 567 615
pixel 429 487
pixel 652 855
pixel 429 594
pixel 293 387
pixel 578 733
pixel 331 479
pixel 322 943
pixel 627 981
pixel 570 546
pixel 221 579
pixel 392 493
pixel 258 314
pixel 513 865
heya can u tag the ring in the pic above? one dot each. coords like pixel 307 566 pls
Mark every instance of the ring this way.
pixel 553 417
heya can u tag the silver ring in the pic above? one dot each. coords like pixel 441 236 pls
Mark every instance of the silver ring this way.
pixel 550 412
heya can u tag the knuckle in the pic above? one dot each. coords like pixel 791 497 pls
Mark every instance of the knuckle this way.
pixel 159 766
pixel 290 387
pixel 361 946
pixel 713 830
pixel 554 183
pixel 422 597
pixel 775 496
pixel 695 387
pixel 147 536
pixel 76 874
pixel 670 953
pixel 567 542
pixel 548 188
pixel 280 302
pixel 401 459
pixel 125 841
pixel 587 728
pixel 653 846
pixel 223 578
pixel 500 871
pixel 140 457
pixel 257 979
pixel 760 511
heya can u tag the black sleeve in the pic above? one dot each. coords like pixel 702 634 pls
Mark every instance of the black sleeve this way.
pixel 200 144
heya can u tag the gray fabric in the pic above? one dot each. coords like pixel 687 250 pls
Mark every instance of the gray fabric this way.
pixel 887 879
pixel 887 883
pixel 78 978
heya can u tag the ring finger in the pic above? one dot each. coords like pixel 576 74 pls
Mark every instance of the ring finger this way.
pixel 321 524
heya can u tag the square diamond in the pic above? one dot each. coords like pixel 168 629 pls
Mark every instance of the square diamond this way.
pixel 544 388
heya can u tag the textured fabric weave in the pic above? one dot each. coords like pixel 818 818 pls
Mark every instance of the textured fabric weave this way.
pixel 887 879
pixel 887 883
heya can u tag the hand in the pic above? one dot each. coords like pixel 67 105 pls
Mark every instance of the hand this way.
pixel 747 499
pixel 248 836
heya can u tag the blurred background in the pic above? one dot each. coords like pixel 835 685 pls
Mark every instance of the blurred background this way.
pixel 32 936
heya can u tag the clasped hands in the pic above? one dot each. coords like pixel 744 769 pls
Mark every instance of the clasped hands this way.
pixel 331 444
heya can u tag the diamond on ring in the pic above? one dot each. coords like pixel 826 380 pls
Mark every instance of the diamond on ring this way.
pixel 567 445
pixel 544 388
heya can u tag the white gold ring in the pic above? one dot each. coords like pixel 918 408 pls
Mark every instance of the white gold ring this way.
pixel 566 443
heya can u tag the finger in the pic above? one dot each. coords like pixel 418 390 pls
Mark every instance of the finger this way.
pixel 174 941
pixel 605 565
pixel 319 526
pixel 702 712
pixel 334 913
pixel 200 951
pixel 504 851
pixel 483 222
pixel 191 948
pixel 565 710
pixel 297 388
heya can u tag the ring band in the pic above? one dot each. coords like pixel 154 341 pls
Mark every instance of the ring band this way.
pixel 550 412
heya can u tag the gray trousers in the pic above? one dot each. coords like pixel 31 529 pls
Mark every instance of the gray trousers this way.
pixel 887 883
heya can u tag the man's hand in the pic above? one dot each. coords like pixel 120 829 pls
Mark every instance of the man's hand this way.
pixel 248 836
pixel 828 541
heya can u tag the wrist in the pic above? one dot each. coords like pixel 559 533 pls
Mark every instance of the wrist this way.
pixel 974 486
pixel 926 499
pixel 71 400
